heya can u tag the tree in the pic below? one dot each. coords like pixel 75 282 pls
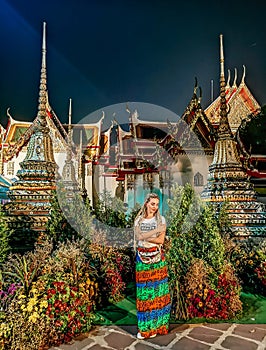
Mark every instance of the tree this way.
pixel 252 132
pixel 5 234
pixel 70 218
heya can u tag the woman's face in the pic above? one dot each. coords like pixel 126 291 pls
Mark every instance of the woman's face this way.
pixel 152 206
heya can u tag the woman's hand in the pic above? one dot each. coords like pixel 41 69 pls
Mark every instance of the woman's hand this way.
pixel 160 235
pixel 161 228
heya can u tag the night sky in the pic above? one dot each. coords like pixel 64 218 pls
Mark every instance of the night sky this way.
pixel 105 52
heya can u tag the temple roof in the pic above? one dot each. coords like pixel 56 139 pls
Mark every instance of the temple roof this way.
pixel 15 130
pixel 18 133
pixel 4 182
pixel 197 120
pixel 90 134
pixel 4 187
pixel 241 103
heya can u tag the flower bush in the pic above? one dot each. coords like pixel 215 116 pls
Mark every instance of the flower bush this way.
pixel 49 296
pixel 114 267
pixel 69 307
pixel 24 324
pixel 261 272
pixel 248 258
pixel 217 302
pixel 51 303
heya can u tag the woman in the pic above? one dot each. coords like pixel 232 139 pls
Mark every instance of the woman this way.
pixel 152 290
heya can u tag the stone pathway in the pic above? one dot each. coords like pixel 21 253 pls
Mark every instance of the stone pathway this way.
pixel 215 336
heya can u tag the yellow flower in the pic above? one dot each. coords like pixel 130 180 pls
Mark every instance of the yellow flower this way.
pixel 91 291
pixel 250 262
pixel 43 304
pixel 29 308
pixel 32 302
pixel 21 296
pixel 33 317
pixel 200 304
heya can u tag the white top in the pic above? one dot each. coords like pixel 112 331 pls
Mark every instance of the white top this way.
pixel 148 225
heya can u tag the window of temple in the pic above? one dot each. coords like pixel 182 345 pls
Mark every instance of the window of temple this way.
pixel 198 179
pixel 10 168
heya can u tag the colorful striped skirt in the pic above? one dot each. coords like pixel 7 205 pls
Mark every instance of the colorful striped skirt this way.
pixel 153 297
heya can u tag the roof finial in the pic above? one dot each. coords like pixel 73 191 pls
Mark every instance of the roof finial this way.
pixel 200 94
pixel 234 83
pixel 195 86
pixel 42 91
pixel 69 115
pixel 127 109
pixel 9 115
pixel 228 80
pixel 244 75
pixel 211 90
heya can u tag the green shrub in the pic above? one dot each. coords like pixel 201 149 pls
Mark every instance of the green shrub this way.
pixel 70 218
pixel 195 240
pixel 5 234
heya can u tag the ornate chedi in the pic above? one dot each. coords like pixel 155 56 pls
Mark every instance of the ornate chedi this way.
pixel 68 174
pixel 31 194
pixel 227 179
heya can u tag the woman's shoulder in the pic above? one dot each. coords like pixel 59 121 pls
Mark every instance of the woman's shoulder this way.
pixel 136 221
pixel 163 219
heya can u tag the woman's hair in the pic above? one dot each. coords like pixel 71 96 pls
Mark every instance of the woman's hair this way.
pixel 143 211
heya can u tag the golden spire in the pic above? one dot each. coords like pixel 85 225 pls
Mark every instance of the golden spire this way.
pixel 43 82
pixel 224 131
pixel 40 145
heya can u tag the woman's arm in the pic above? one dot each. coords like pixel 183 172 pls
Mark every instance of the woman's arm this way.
pixel 145 235
pixel 159 239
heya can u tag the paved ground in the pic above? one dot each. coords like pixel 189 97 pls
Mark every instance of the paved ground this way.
pixel 181 337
